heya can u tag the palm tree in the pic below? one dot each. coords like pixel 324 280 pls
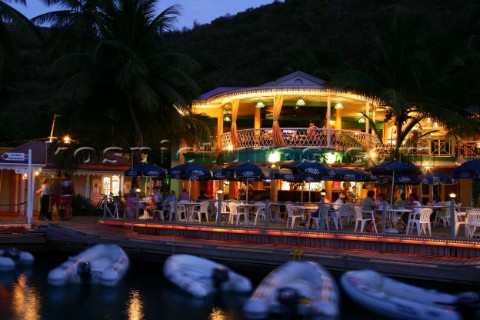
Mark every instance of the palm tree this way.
pixel 121 65
pixel 400 70
pixel 9 18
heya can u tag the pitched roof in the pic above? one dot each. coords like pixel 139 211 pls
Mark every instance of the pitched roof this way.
pixel 296 79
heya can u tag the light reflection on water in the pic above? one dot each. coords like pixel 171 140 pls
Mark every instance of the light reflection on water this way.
pixel 143 294
pixel 26 300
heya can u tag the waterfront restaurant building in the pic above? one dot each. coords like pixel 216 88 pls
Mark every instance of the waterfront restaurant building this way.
pixel 270 125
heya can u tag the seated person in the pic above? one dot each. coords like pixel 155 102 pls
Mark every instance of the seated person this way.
pixel 437 201
pixel 151 207
pixel 339 202
pixel 402 201
pixel 202 196
pixel 368 203
pixel 415 205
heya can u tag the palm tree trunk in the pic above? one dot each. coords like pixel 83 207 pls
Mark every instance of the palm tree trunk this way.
pixel 396 154
pixel 135 123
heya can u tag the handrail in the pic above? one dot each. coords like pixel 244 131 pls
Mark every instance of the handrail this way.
pixel 300 138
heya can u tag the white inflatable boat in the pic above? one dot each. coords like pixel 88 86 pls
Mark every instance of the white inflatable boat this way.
pixel 105 264
pixel 201 277
pixel 397 300
pixel 10 258
pixel 295 288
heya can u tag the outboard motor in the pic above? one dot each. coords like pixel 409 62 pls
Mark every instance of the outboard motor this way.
pixel 84 271
pixel 12 253
pixel 219 276
pixel 468 305
pixel 288 298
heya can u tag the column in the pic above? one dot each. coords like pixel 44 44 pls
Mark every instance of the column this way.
pixel 329 116
pixel 274 189
pixel 338 119
pixel 220 127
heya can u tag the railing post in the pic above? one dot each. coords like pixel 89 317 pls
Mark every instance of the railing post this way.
pixel 137 204
pixel 105 206
pixel 175 206
pixel 267 213
pixel 384 217
pixel 321 214
pixel 219 210
pixel 452 216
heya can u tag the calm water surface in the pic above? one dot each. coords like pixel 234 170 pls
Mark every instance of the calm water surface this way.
pixel 143 294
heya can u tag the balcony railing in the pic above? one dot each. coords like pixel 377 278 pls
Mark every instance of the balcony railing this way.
pixel 301 138
pixel 344 140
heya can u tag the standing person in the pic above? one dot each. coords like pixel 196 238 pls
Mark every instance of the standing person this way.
pixel 44 192
pixel 157 196
pixel 56 195
pixel 67 190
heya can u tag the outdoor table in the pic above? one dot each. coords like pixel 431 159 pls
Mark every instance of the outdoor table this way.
pixel 189 206
pixel 305 209
pixel 244 209
pixel 397 214
pixel 275 207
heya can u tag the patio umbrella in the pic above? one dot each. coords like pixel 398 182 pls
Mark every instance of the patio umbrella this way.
pixel 146 170
pixel 468 170
pixel 218 174
pixel 190 171
pixel 348 174
pixel 310 171
pixel 436 177
pixel 399 171
pixel 246 171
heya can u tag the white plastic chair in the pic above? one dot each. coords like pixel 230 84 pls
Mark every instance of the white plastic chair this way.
pixel 200 211
pixel 292 215
pixel 235 214
pixel 180 211
pixel 318 216
pixel 363 217
pixel 473 222
pixel 421 221
pixel 441 214
pixel 224 212
pixel 259 213
pixel 346 213
pixel 460 220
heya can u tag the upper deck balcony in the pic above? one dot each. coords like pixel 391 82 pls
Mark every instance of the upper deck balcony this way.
pixel 329 139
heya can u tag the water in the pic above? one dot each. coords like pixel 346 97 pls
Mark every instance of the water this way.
pixel 143 294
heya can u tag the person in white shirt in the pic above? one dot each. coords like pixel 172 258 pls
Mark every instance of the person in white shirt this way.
pixel 339 202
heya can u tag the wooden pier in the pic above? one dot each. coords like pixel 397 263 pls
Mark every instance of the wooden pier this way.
pixel 260 249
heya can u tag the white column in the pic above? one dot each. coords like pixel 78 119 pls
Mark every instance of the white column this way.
pixel 329 115
pixel 220 116
pixel 30 181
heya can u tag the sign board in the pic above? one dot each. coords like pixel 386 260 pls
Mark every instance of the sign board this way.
pixel 13 156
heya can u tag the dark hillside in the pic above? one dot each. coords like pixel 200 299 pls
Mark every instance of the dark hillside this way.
pixel 258 45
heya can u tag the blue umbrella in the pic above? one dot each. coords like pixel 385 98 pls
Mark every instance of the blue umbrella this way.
pixel 146 170
pixel 347 174
pixel 246 171
pixel 311 171
pixel 468 170
pixel 218 174
pixel 190 171
pixel 393 168
pixel 436 177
